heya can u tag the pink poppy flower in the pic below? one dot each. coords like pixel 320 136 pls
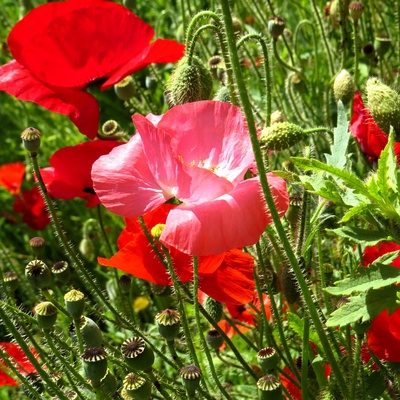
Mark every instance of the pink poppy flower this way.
pixel 11 176
pixel 70 173
pixel 371 138
pixel 197 153
pixel 61 48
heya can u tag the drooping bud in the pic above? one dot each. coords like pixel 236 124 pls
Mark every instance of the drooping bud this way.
pixel 214 308
pixel 276 26
pixel 281 136
pixel 46 315
pixel 190 375
pixel 125 89
pixel 382 45
pixel 137 387
pixel 91 333
pixel 31 140
pixel 137 354
pixel 189 82
pixel 269 388
pixel 267 358
pixel 10 279
pixel 86 248
pixel 384 105
pixel 355 10
pixel 75 303
pixel 237 26
pixel 343 87
pixel 214 339
pixel 37 245
pixel 94 361
pixel 168 323
pixel 61 271
pixel 38 274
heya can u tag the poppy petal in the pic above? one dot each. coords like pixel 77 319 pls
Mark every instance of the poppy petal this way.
pixel 11 176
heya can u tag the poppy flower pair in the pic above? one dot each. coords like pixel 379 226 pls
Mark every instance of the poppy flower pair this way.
pixel 62 48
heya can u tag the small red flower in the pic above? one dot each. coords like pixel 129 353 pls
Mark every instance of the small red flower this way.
pixel 31 205
pixel 70 173
pixel 61 48
pixel 227 277
pixel 371 138
pixel 11 176
pixel 384 333
pixel 16 356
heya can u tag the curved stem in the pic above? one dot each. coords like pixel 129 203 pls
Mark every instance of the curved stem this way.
pixel 281 62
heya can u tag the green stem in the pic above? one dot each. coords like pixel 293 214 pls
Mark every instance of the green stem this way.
pixel 196 35
pixel 355 49
pixel 200 331
pixel 318 130
pixel 307 295
pixel 154 380
pixel 304 359
pixel 281 62
pixel 356 366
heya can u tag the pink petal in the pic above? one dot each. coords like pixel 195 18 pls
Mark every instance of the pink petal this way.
pixel 79 106
pixel 222 142
pixel 124 183
pixel 233 220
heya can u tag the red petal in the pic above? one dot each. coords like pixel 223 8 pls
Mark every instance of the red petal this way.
pixel 371 253
pixel 11 176
pixel 79 106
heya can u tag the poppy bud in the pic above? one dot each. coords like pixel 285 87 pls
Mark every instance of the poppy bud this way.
pixel 214 308
pixel 75 303
pixel 10 279
pixel 168 323
pixel 355 10
pixel 267 358
pixel 237 26
pixel 124 282
pixel 269 388
pixel 276 26
pixel 46 315
pixel 216 65
pixel 277 116
pixel 137 354
pixel 31 140
pixel 384 105
pixel 223 94
pixel 37 245
pixel 189 82
pixel 94 361
pixel 214 339
pixel 86 248
pixel 91 333
pixel 61 271
pixel 382 45
pixel 289 285
pixel 281 136
pixel 137 387
pixel 343 87
pixel 38 274
pixel 125 89
pixel 190 375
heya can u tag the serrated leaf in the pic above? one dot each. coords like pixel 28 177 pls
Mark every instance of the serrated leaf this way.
pixel 373 277
pixel 297 325
pixel 387 258
pixel 341 136
pixel 362 236
pixel 358 211
pixel 364 307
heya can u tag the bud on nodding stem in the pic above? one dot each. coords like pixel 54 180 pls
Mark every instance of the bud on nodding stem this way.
pixel 31 140
pixel 343 87
pixel 276 26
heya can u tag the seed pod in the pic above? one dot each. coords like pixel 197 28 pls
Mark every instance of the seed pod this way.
pixel 10 279
pixel 161 290
pixel 382 45
pixel 189 82
pixel 190 375
pixel 46 315
pixel 94 361
pixel 75 303
pixel 61 271
pixel 281 136
pixel 91 333
pixel 37 245
pixel 108 384
pixel 31 140
pixel 269 388
pixel 343 87
pixel 267 358
pixel 137 387
pixel 137 354
pixel 168 323
pixel 355 10
pixel 125 89
pixel 124 282
pixel 214 339
pixel 276 26
pixel 38 274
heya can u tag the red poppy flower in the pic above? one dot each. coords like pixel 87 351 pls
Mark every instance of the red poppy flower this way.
pixel 371 138
pixel 31 205
pixel 17 356
pixel 61 48
pixel 384 333
pixel 69 174
pixel 11 176
pixel 294 390
pixel 226 277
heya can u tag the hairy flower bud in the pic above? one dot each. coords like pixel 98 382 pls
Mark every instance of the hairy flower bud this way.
pixel 223 94
pixel 189 82
pixel 384 105
pixel 289 284
pixel 343 87
pixel 91 333
pixel 281 136
pixel 214 308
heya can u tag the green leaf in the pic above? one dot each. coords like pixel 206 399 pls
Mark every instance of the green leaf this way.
pixel 362 236
pixel 364 307
pixel 373 277
pixel 386 258
pixel 297 325
pixel 358 211
pixel 341 136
